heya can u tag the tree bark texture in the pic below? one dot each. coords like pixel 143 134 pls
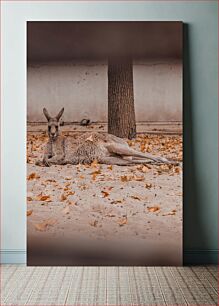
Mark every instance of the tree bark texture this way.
pixel 121 110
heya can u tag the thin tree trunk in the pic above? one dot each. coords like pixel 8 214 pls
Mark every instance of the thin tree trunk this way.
pixel 121 111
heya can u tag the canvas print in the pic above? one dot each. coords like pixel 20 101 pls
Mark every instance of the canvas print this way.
pixel 104 143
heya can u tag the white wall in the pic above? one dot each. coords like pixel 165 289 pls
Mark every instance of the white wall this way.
pixel 158 90
pixel 82 89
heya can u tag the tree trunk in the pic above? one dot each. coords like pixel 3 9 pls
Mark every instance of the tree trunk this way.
pixel 121 111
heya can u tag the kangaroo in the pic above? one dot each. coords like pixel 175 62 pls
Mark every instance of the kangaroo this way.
pixel 102 147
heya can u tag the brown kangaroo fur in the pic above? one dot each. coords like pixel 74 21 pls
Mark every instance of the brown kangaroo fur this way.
pixel 102 147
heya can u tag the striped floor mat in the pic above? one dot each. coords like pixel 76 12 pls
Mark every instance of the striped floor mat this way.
pixel 126 286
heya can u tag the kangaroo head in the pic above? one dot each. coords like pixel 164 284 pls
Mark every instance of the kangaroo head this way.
pixel 53 123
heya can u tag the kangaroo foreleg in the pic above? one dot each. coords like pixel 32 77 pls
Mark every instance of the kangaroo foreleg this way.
pixel 57 160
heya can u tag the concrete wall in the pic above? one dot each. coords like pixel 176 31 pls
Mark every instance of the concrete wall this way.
pixel 82 89
pixel 158 90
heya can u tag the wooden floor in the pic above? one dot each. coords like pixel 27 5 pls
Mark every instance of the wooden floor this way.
pixel 23 285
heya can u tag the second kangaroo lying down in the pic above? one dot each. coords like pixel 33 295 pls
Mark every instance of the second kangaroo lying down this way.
pixel 104 148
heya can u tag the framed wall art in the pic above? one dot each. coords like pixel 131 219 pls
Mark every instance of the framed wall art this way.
pixel 104 143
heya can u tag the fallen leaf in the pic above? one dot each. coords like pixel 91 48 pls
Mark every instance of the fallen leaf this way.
pixel 177 170
pixel 105 193
pixel 94 174
pixel 67 184
pixel 122 221
pixel 143 168
pixel 110 167
pixel 83 187
pixel 179 194
pixel 124 178
pixel 148 185
pixel 171 213
pixel 93 223
pixel 29 212
pixel 70 193
pixel 63 197
pixel 50 181
pixel 33 176
pixel 45 198
pixel 45 224
pixel 153 208
pixel 135 198
pixel 116 201
pixel 29 199
pixel 138 178
pixel 71 203
pixel 94 164
pixel 110 215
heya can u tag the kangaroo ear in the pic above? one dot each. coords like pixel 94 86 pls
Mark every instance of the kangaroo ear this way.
pixel 48 117
pixel 60 114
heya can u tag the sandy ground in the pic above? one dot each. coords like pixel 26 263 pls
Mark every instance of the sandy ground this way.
pixel 99 214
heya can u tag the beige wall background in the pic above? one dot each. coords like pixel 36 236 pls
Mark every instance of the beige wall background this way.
pixel 81 87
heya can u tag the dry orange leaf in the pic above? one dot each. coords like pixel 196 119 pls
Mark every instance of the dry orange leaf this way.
pixel 148 185
pixel 50 181
pixel 63 197
pixel 142 147
pixel 122 221
pixel 94 164
pixel 116 202
pixel 179 194
pixel 45 224
pixel 105 193
pixel 33 176
pixel 110 215
pixel 153 208
pixel 94 174
pixel 135 198
pixel 70 193
pixel 138 178
pixel 171 213
pixel 83 187
pixel 45 198
pixel 29 199
pixel 29 212
pixel 110 167
pixel 143 168
pixel 177 170
pixel 71 203
pixel 124 178
pixel 93 223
